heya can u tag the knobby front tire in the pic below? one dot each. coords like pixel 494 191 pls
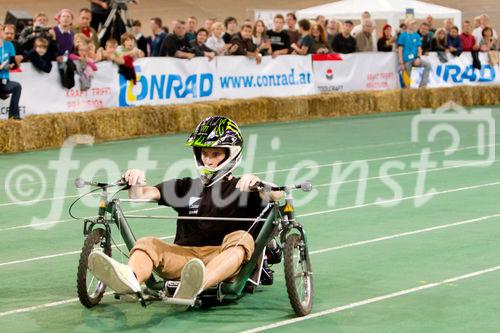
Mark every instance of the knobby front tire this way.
pixel 298 274
pixel 91 290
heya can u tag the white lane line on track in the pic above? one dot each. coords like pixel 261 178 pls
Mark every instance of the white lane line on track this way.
pixel 375 240
pixel 25 226
pixel 58 255
pixel 275 171
pixel 372 300
pixel 308 214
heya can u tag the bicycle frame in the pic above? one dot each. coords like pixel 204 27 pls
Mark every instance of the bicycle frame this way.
pixel 280 221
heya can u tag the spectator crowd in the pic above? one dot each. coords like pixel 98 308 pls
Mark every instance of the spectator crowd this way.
pixel 74 44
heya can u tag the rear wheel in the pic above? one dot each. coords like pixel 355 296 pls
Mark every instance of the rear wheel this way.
pixel 298 274
pixel 91 290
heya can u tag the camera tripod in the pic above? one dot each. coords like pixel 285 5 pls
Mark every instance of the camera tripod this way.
pixel 117 21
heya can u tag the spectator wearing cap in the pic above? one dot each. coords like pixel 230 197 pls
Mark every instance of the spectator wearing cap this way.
pixel 364 39
pixel 410 52
pixel 344 42
pixel 386 42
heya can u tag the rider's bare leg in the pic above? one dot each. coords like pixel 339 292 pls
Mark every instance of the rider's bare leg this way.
pixel 223 266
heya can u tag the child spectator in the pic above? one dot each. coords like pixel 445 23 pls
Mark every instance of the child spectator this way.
pixel 386 42
pixel 260 38
pixel 216 42
pixel 489 44
pixel 85 67
pixel 39 56
pixel 109 52
pixel 128 47
pixel 199 47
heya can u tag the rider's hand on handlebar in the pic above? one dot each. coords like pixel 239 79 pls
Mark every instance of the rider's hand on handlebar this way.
pixel 246 182
pixel 134 177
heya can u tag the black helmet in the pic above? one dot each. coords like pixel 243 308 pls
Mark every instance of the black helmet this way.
pixel 216 132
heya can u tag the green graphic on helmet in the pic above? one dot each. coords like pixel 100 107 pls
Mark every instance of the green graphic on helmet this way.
pixel 216 132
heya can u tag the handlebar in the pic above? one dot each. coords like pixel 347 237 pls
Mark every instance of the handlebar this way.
pixel 80 182
pixel 266 187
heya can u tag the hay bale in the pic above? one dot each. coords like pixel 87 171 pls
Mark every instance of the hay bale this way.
pixel 387 101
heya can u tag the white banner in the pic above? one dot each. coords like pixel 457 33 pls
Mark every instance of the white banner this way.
pixel 357 71
pixel 457 71
pixel 43 92
pixel 163 81
pixel 241 77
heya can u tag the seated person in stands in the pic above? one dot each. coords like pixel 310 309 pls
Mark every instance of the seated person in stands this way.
pixel 39 56
pixel 128 47
pixel 176 43
pixel 242 44
pixel 454 43
pixel 306 41
pixel 199 47
pixel 344 42
pixel 318 35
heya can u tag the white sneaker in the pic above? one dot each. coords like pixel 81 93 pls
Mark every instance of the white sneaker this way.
pixel 115 275
pixel 192 278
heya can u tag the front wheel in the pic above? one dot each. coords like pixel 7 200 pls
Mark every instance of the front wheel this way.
pixel 298 274
pixel 91 290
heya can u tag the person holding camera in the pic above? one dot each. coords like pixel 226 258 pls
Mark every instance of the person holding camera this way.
pixel 40 29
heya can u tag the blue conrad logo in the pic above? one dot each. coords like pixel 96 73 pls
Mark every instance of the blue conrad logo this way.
pixel 156 87
pixel 467 74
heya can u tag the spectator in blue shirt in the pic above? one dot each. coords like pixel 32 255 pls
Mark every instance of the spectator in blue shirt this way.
pixel 410 51
pixel 454 42
pixel 8 87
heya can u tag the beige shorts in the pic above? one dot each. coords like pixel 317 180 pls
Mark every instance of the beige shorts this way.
pixel 169 259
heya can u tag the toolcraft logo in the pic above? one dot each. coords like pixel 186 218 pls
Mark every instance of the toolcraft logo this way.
pixel 154 88
pixel 329 74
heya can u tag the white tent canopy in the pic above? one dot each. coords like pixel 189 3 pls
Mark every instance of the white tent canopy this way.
pixel 390 10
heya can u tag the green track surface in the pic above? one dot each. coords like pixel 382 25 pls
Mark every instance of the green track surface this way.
pixel 38 264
